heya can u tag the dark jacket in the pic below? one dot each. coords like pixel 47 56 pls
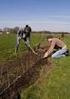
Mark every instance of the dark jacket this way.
pixel 27 31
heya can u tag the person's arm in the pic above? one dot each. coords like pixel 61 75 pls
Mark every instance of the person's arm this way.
pixel 50 50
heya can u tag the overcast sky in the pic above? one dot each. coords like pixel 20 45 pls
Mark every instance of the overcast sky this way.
pixel 52 15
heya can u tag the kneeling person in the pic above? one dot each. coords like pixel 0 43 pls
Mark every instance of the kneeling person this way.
pixel 58 44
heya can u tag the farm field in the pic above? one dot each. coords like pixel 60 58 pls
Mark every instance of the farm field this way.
pixel 8 43
pixel 52 84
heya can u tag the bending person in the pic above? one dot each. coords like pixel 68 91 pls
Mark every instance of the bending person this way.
pixel 59 45
pixel 23 34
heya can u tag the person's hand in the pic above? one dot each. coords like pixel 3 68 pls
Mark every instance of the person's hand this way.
pixel 45 55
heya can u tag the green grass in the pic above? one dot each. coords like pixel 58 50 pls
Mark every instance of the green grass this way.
pixel 54 84
pixel 8 43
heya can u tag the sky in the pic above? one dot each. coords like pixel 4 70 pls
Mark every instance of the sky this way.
pixel 50 15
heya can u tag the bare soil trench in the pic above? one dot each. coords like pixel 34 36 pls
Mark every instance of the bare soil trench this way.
pixel 20 72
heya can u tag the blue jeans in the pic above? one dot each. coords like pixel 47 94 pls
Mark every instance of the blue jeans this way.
pixel 59 53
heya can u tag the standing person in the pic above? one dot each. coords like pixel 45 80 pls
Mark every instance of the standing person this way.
pixel 23 34
pixel 55 43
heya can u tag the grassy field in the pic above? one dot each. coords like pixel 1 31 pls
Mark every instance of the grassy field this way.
pixel 54 84
pixel 8 43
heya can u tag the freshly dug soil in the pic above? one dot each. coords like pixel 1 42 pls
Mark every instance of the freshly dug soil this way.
pixel 20 72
